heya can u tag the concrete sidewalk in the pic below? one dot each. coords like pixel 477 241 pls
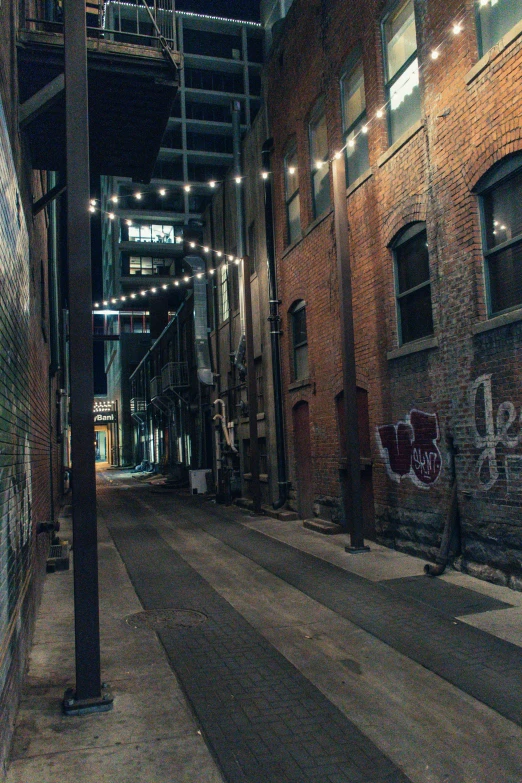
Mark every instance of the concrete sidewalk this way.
pixel 429 729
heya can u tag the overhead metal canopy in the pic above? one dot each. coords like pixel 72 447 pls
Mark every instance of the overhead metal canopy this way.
pixel 131 90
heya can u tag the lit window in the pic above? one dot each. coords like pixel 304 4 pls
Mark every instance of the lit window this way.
pixel 412 284
pixel 319 164
pixel 495 18
pixel 501 196
pixel 299 341
pixel 354 121
pixel 293 204
pixel 223 288
pixel 402 70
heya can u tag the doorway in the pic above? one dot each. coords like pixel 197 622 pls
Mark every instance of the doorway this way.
pixel 102 444
pixel 303 460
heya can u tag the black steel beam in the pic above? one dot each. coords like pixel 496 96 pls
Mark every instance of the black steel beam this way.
pixel 87 695
pixel 41 101
pixel 351 476
pixel 50 196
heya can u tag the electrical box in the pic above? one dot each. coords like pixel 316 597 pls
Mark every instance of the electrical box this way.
pixel 198 481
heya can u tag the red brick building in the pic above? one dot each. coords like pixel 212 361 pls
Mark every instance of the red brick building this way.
pixel 426 98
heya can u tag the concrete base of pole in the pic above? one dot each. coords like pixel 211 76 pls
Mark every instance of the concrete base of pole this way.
pixel 73 706
pixel 356 550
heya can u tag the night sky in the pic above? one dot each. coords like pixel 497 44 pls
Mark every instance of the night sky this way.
pixel 233 9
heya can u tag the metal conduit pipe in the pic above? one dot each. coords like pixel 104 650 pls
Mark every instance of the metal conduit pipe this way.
pixel 275 332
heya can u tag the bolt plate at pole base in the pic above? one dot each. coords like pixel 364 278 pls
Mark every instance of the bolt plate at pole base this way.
pixel 73 706
pixel 356 550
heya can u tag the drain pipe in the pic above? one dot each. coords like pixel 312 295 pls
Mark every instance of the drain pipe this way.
pixel 275 330
pixel 450 524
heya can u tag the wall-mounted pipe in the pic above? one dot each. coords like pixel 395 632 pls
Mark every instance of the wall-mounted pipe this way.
pixel 275 330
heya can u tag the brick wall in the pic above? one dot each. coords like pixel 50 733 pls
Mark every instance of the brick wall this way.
pixel 470 121
pixel 28 443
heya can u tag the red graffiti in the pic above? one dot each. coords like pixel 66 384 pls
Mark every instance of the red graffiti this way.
pixel 410 448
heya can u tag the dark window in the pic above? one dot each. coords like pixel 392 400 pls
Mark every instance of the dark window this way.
pixel 255 50
pixel 299 341
pixel 293 204
pixel 211 44
pixel 319 163
pixel 412 282
pixel 208 112
pixel 402 70
pixel 502 231
pixel 354 122
pixel 214 81
pixel 495 18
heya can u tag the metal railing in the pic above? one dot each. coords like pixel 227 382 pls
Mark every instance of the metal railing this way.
pixel 142 22
pixel 156 388
pixel 174 375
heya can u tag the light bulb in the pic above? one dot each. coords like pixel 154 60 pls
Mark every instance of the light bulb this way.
pixel 206 249
pixel 164 286
pixel 96 304
pixel 291 170
pixel 351 143
pixel 237 180
pixel 176 282
pixel 212 184
pixel 114 301
pixel 199 275
pixel 237 261
pixel 193 244
pixel 219 253
pixel 364 129
pixel 105 304
pixel 264 174
pixel 92 209
pixel 93 202
pixel 129 222
pixel 211 271
pixel 133 296
pixel 457 28
pixel 115 199
pixel 163 192
pixel 435 54
pixel 144 293
pixel 186 279
pixel 111 215
pixel 137 195
pixel 337 155
pixel 379 114
pixel 319 164
pixel 187 188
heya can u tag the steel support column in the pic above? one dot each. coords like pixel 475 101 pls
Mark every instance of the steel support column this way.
pixel 351 476
pixel 87 695
pixel 252 389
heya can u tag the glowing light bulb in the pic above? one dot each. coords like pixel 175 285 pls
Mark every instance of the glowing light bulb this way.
pixel 237 180
pixel 502 228
pixel 264 174
pixel 93 202
pixel 96 304
pixel 319 164
pixel 115 199
pixel 212 184
pixel 137 195
pixel 162 192
pixel 133 296
pixel 338 155
pixel 379 114
pixel 165 286
pixel 111 215
pixel 291 170
pixel 129 222
pixel 153 290
pixel 435 54
pixel 211 271
pixel 114 301
pixel 186 279
pixel 457 28
pixel 176 282
pixel 231 258
pixel 192 244
pixel 92 209
pixel 144 293
pixel 206 249
pixel 237 261
pixel 187 188
pixel 364 129
pixel 105 304
pixel 351 143
pixel 219 253
pixel 199 275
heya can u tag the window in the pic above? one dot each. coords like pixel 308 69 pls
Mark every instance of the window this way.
pixel 354 122
pixel 223 293
pixel 319 164
pixel 299 341
pixel 146 232
pixel 402 70
pixel 412 284
pixel 495 18
pixel 293 204
pixel 501 196
pixel 146 265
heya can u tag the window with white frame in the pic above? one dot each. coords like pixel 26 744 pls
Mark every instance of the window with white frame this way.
pixel 353 99
pixel 223 293
pixel 299 341
pixel 319 162
pixel 501 200
pixel 495 18
pixel 412 284
pixel 401 69
pixel 293 204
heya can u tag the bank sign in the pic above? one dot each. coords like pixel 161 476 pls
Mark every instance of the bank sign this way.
pixel 105 418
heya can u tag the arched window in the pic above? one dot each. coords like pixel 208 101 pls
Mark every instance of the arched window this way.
pixel 299 340
pixel 500 192
pixel 412 284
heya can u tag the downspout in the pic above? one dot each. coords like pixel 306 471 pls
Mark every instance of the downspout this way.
pixel 239 357
pixel 275 332
pixel 450 524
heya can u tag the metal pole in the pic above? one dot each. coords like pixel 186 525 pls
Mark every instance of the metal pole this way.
pixel 88 693
pixel 252 389
pixel 351 476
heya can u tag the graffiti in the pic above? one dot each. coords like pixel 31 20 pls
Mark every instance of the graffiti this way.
pixel 410 449
pixel 490 431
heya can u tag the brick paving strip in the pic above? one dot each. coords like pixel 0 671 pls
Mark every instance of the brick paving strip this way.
pixel 263 720
pixel 487 668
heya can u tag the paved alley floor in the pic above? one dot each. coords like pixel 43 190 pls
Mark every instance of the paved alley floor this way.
pixel 244 649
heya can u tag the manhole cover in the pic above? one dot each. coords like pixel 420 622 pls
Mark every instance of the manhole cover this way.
pixel 166 618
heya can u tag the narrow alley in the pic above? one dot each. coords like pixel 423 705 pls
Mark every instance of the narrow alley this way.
pixel 240 648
